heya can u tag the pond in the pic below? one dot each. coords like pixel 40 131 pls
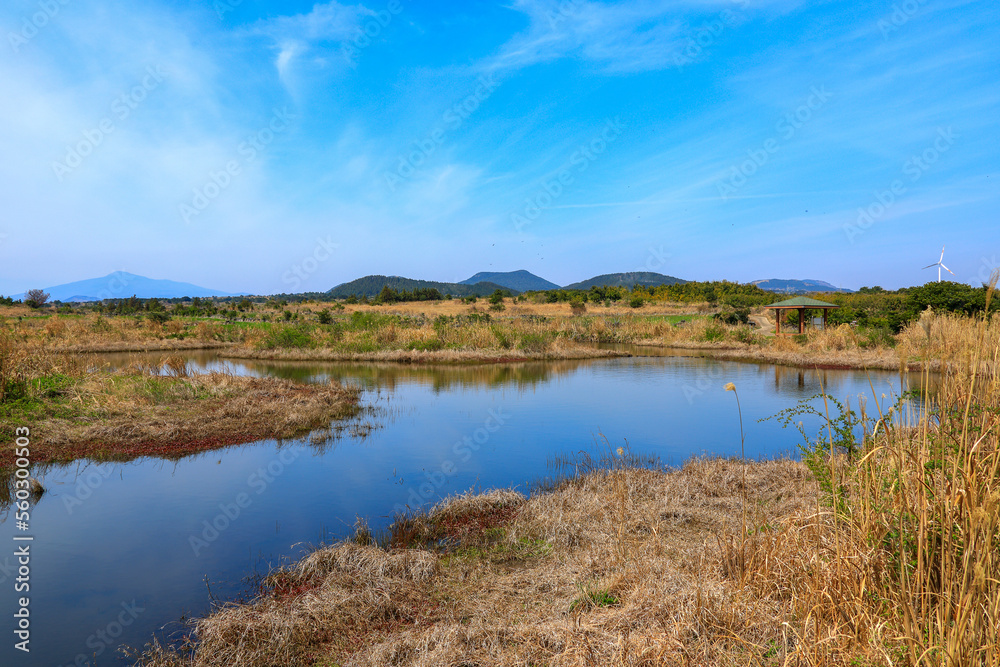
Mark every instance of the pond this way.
pixel 123 551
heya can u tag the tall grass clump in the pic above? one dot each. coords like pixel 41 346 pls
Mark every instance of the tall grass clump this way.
pixel 286 337
pixel 926 497
pixel 900 562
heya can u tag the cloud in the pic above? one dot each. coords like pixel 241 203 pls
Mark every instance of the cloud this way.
pixel 620 38
pixel 310 37
pixel 635 37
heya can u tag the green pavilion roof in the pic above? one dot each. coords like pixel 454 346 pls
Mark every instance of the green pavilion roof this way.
pixel 802 302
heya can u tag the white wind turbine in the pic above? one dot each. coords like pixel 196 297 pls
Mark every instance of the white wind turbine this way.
pixel 940 265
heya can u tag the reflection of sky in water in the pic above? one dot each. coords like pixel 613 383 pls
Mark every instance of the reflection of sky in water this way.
pixel 128 537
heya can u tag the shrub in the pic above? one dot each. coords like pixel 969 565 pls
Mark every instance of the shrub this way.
pixel 532 342
pixel 745 334
pixel 734 317
pixel 504 338
pixel 325 317
pixel 429 345
pixel 636 302
pixel 286 337
pixel 713 333
pixel 36 298
pixel 878 337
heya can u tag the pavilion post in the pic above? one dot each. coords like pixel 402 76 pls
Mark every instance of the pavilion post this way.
pixel 802 305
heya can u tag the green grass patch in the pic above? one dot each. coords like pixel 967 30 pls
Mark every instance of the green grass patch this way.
pixel 287 338
pixel 593 598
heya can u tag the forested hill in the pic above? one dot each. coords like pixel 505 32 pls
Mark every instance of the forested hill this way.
pixel 370 286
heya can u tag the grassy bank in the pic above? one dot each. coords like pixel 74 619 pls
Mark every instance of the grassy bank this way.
pixel 456 332
pixel 150 409
pixel 613 567
pixel 882 547
pixel 396 336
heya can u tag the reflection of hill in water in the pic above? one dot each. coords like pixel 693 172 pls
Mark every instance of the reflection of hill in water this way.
pixel 439 378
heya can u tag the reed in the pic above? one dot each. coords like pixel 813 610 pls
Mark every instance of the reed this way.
pixel 150 408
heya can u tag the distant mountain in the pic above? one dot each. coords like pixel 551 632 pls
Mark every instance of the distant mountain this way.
pixel 371 285
pixel 797 286
pixel 121 285
pixel 522 280
pixel 644 278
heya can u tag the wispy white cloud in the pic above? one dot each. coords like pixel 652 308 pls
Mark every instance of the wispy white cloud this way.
pixel 311 37
pixel 630 37
pixel 638 36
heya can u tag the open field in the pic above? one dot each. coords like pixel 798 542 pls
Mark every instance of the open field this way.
pixel 454 331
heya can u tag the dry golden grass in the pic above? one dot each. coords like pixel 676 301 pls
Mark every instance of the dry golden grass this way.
pixel 512 307
pixel 615 568
pixel 491 355
pixel 158 409
pixel 96 333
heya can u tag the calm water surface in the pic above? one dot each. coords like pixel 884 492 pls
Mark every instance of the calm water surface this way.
pixel 123 551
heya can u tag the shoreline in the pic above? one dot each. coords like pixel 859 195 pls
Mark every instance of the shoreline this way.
pixel 151 346
pixel 806 359
pixel 136 415
pixel 428 357
pixel 498 578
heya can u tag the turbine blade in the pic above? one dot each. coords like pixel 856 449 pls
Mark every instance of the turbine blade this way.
pixel 930 266
pixel 948 270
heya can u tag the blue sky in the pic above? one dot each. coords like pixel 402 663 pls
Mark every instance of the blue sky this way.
pixel 268 147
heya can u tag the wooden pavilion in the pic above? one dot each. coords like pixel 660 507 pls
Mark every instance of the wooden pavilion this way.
pixel 801 304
